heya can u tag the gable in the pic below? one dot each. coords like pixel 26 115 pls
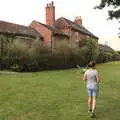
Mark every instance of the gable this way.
pixel 51 28
pixel 62 23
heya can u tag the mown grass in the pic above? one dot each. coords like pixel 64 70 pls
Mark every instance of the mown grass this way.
pixel 58 95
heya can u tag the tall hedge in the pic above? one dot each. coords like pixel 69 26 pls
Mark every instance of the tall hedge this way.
pixel 37 56
pixel 107 54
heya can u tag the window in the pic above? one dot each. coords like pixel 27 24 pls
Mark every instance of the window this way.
pixel 76 36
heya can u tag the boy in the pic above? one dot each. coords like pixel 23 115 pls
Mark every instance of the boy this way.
pixel 92 81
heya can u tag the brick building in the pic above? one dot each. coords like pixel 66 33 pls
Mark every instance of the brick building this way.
pixel 53 33
pixel 56 31
pixel 11 33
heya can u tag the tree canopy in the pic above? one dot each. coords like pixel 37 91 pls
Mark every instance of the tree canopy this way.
pixel 114 5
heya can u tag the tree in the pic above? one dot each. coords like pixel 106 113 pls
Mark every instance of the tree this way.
pixel 88 49
pixel 114 5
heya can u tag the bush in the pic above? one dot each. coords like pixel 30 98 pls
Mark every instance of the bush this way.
pixel 89 50
pixel 37 56
pixel 107 54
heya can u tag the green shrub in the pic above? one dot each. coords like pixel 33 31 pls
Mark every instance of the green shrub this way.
pixel 37 56
pixel 107 54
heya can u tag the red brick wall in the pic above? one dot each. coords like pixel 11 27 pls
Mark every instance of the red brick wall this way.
pixel 66 30
pixel 81 35
pixel 57 40
pixel 74 36
pixel 72 33
pixel 43 30
pixel 50 14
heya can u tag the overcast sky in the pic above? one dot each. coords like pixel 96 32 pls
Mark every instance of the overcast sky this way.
pixel 24 11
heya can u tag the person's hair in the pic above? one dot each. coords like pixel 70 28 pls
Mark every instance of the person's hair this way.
pixel 91 64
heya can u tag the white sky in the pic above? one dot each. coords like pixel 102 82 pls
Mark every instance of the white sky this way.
pixel 24 11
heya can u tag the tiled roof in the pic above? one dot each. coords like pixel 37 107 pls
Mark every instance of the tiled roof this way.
pixel 63 22
pixel 53 29
pixel 11 28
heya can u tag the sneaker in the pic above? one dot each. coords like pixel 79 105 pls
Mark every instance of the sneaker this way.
pixel 93 114
pixel 89 111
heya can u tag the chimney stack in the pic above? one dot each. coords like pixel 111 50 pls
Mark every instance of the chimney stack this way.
pixel 50 13
pixel 78 20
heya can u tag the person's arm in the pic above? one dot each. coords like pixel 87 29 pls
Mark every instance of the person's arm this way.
pixel 85 77
pixel 97 77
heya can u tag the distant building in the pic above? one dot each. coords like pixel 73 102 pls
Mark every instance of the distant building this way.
pixel 106 43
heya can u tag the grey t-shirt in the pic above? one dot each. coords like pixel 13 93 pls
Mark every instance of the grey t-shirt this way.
pixel 91 75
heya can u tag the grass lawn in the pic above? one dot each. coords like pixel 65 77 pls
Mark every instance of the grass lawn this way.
pixel 58 95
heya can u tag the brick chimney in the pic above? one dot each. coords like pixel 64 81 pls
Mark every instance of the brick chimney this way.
pixel 78 20
pixel 50 13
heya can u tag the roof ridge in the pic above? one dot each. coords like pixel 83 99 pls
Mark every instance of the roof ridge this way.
pixel 1 21
pixel 9 27
pixel 78 27
pixel 52 28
